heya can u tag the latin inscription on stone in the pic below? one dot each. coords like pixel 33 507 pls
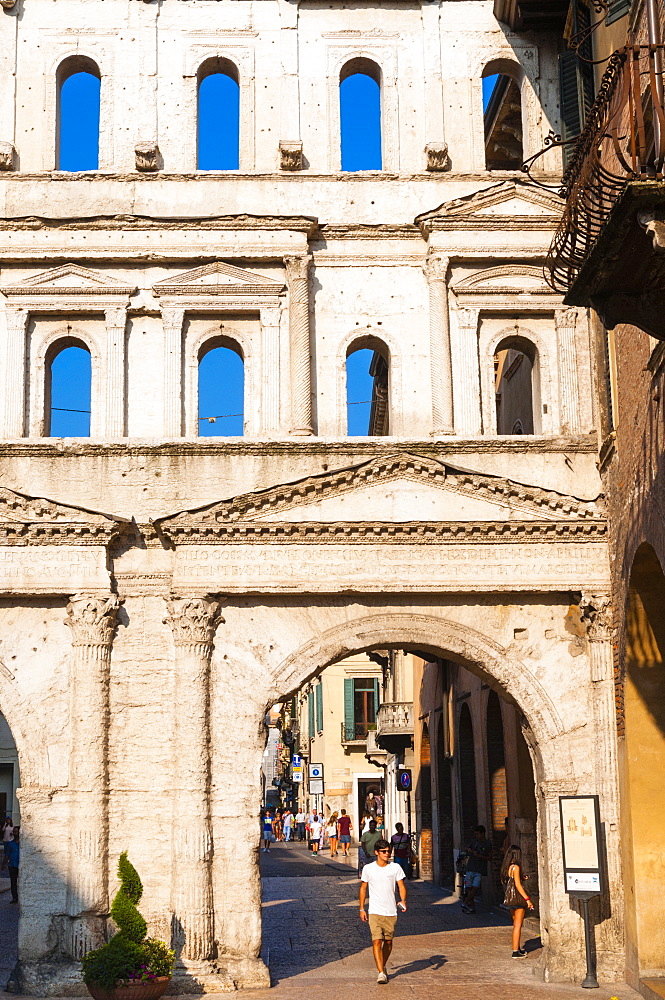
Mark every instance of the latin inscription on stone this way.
pixel 43 569
pixel 389 568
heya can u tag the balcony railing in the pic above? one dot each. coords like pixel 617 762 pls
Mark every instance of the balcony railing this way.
pixel 623 140
pixel 394 725
pixel 373 749
pixel 356 732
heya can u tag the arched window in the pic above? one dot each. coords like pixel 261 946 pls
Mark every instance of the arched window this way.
pixel 517 387
pixel 367 388
pixel 79 88
pixel 360 115
pixel 502 114
pixel 221 390
pixel 467 774
pixel 218 117
pixel 68 389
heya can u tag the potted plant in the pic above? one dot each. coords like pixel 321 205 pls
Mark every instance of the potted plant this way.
pixel 130 966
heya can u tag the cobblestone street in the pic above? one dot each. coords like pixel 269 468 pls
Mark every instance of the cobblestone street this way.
pixel 317 947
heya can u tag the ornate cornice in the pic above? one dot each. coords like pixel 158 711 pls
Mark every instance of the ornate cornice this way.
pixel 299 223
pixel 406 532
pixel 36 521
pixel 538 503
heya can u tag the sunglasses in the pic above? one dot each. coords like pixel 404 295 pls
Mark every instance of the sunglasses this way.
pixel 384 850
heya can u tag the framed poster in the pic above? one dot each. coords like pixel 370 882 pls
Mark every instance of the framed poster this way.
pixel 580 836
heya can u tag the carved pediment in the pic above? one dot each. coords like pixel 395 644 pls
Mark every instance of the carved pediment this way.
pixel 218 278
pixel 34 519
pixel 510 204
pixel 69 279
pixel 402 494
pixel 510 279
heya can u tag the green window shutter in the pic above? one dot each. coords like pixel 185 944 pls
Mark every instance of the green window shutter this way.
pixel 576 86
pixel 618 8
pixel 349 715
pixel 310 711
pixel 376 698
pixel 319 707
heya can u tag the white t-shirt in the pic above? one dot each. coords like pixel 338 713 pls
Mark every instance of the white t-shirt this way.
pixel 287 819
pixel 382 883
pixel 300 818
pixel 315 829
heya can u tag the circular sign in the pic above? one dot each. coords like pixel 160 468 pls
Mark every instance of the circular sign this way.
pixel 405 781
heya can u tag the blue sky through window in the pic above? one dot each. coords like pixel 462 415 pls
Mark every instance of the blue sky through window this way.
pixel 221 393
pixel 218 123
pixel 70 393
pixel 360 117
pixel 78 146
pixel 358 392
pixel 489 83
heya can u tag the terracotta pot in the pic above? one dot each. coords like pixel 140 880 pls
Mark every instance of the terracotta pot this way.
pixel 137 991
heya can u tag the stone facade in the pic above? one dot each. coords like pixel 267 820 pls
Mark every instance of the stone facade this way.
pixel 172 588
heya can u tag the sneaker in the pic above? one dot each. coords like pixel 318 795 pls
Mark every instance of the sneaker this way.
pixel 382 978
pixel 520 953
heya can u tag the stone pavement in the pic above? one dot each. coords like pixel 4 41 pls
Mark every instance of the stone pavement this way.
pixel 316 946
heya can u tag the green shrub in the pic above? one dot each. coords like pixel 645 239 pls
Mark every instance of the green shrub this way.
pixel 129 956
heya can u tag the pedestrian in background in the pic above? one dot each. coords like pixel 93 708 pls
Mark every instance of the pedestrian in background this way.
pixel 344 827
pixel 368 842
pixel 7 833
pixel 332 834
pixel 479 852
pixel 516 897
pixel 11 861
pixel 300 825
pixel 401 845
pixel 315 831
pixel 268 831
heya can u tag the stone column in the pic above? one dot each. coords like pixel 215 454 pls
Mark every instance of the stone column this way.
pixel 436 270
pixel 297 277
pixel 172 319
pixel 569 397
pixel 597 613
pixel 114 416
pixel 269 410
pixel 91 618
pixel 467 374
pixel 193 621
pixel 15 373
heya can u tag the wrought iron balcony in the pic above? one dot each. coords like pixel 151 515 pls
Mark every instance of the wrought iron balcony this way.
pixel 614 215
pixel 356 732
pixel 394 725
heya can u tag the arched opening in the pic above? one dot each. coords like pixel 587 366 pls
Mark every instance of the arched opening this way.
pixel 496 769
pixel 78 106
pixel 467 774
pixel 68 389
pixel 9 819
pixel 502 116
pixel 360 115
pixel 368 388
pixel 221 390
pixel 644 765
pixel 218 116
pixel 517 387
pixel 445 806
pixel 425 805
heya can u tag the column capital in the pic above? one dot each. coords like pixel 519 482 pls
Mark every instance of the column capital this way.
pixel 436 266
pixel 193 620
pixel 597 614
pixel 467 319
pixel 172 316
pixel 92 617
pixel 297 267
pixel 17 318
pixel 116 316
pixel 566 318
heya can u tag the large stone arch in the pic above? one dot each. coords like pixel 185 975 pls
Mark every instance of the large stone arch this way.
pixel 439 635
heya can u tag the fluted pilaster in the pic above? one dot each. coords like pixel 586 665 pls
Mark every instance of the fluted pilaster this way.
pixel 193 622
pixel 114 415
pixel 467 374
pixel 297 277
pixel 270 370
pixel 436 270
pixel 14 409
pixel 172 319
pixel 91 618
pixel 569 395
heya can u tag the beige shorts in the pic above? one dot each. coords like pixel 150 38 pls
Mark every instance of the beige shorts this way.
pixel 382 928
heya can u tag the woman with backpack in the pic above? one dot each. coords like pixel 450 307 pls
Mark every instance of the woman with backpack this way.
pixel 516 897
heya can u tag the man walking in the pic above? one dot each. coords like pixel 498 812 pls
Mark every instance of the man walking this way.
pixel 300 825
pixel 344 826
pixel 382 876
pixel 479 851
pixel 368 842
